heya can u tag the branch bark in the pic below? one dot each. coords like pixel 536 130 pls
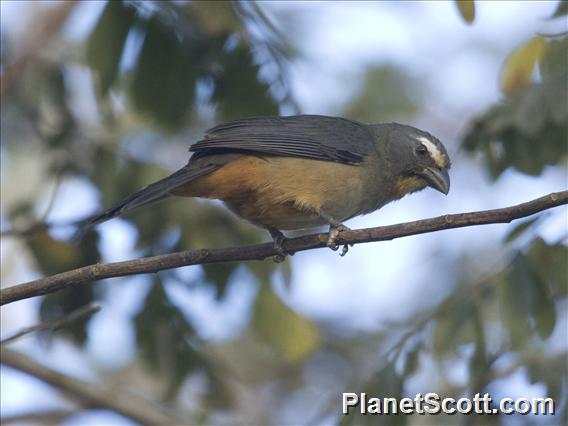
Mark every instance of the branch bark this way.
pixel 262 251
pixel 91 394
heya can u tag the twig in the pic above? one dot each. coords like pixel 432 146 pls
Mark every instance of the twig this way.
pixel 81 313
pixel 53 195
pixel 91 394
pixel 37 227
pixel 52 417
pixel 262 251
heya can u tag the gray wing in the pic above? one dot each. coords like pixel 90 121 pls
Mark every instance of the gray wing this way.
pixel 307 136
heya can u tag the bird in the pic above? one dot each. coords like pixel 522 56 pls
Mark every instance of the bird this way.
pixel 303 171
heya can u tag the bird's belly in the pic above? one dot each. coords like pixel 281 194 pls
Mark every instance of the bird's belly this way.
pixel 275 215
pixel 284 193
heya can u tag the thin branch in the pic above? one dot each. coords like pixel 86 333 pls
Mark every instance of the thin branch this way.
pixel 36 228
pixel 262 251
pixel 89 394
pixel 53 196
pixel 83 312
pixel 51 417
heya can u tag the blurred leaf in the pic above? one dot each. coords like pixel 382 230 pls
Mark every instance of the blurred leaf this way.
pixel 292 335
pixel 54 256
pixel 529 129
pixel 543 309
pixel 21 214
pixel 527 296
pixel 163 334
pixel 55 121
pixel 515 296
pixel 163 84
pixel 388 93
pixel 385 383
pixel 216 17
pixel 553 65
pixel 238 92
pixel 519 66
pixel 550 263
pixel 104 175
pixel 206 224
pixel 466 9
pixel 219 274
pixel 520 229
pixel 478 363
pixel 550 372
pixel 412 359
pixel 106 43
pixel 453 326
pixel 561 9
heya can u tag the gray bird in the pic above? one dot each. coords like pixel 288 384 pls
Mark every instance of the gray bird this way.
pixel 284 173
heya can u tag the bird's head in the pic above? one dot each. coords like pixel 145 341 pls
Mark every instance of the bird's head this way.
pixel 416 159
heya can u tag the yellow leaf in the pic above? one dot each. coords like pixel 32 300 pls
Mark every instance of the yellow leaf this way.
pixel 519 66
pixel 467 9
pixel 292 335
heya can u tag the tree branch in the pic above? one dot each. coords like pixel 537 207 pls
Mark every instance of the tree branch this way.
pixel 91 394
pixel 83 312
pixel 262 251
pixel 51 417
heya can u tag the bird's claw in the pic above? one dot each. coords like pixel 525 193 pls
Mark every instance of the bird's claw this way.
pixel 334 231
pixel 280 255
pixel 279 238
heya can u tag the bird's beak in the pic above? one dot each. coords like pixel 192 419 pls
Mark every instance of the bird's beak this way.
pixel 439 179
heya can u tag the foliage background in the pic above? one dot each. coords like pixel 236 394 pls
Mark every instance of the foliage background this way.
pixel 99 99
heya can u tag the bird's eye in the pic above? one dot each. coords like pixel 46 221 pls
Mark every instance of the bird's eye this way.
pixel 421 150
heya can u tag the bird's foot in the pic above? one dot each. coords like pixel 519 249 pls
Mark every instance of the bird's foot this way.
pixel 278 238
pixel 335 229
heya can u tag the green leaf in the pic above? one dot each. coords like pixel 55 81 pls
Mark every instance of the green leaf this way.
pixel 515 296
pixel 219 275
pixel 543 309
pixel 528 297
pixel 238 92
pixel 550 263
pixel 163 84
pixel 293 336
pixel 466 9
pixel 528 130
pixel 478 363
pixel 54 256
pixel 553 64
pixel 412 359
pixel 384 383
pixel 453 326
pixel 163 335
pixel 561 9
pixel 520 229
pixel 106 43
pixel 388 93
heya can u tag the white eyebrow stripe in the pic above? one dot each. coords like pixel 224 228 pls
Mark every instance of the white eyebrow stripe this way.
pixel 434 151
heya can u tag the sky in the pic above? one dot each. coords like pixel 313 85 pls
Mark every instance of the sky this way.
pixel 456 63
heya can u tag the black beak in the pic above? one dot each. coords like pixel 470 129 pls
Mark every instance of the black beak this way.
pixel 439 179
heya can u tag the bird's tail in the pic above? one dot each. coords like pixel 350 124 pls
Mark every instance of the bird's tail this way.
pixel 152 193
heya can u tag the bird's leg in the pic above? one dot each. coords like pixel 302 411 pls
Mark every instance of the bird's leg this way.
pixel 335 228
pixel 278 237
